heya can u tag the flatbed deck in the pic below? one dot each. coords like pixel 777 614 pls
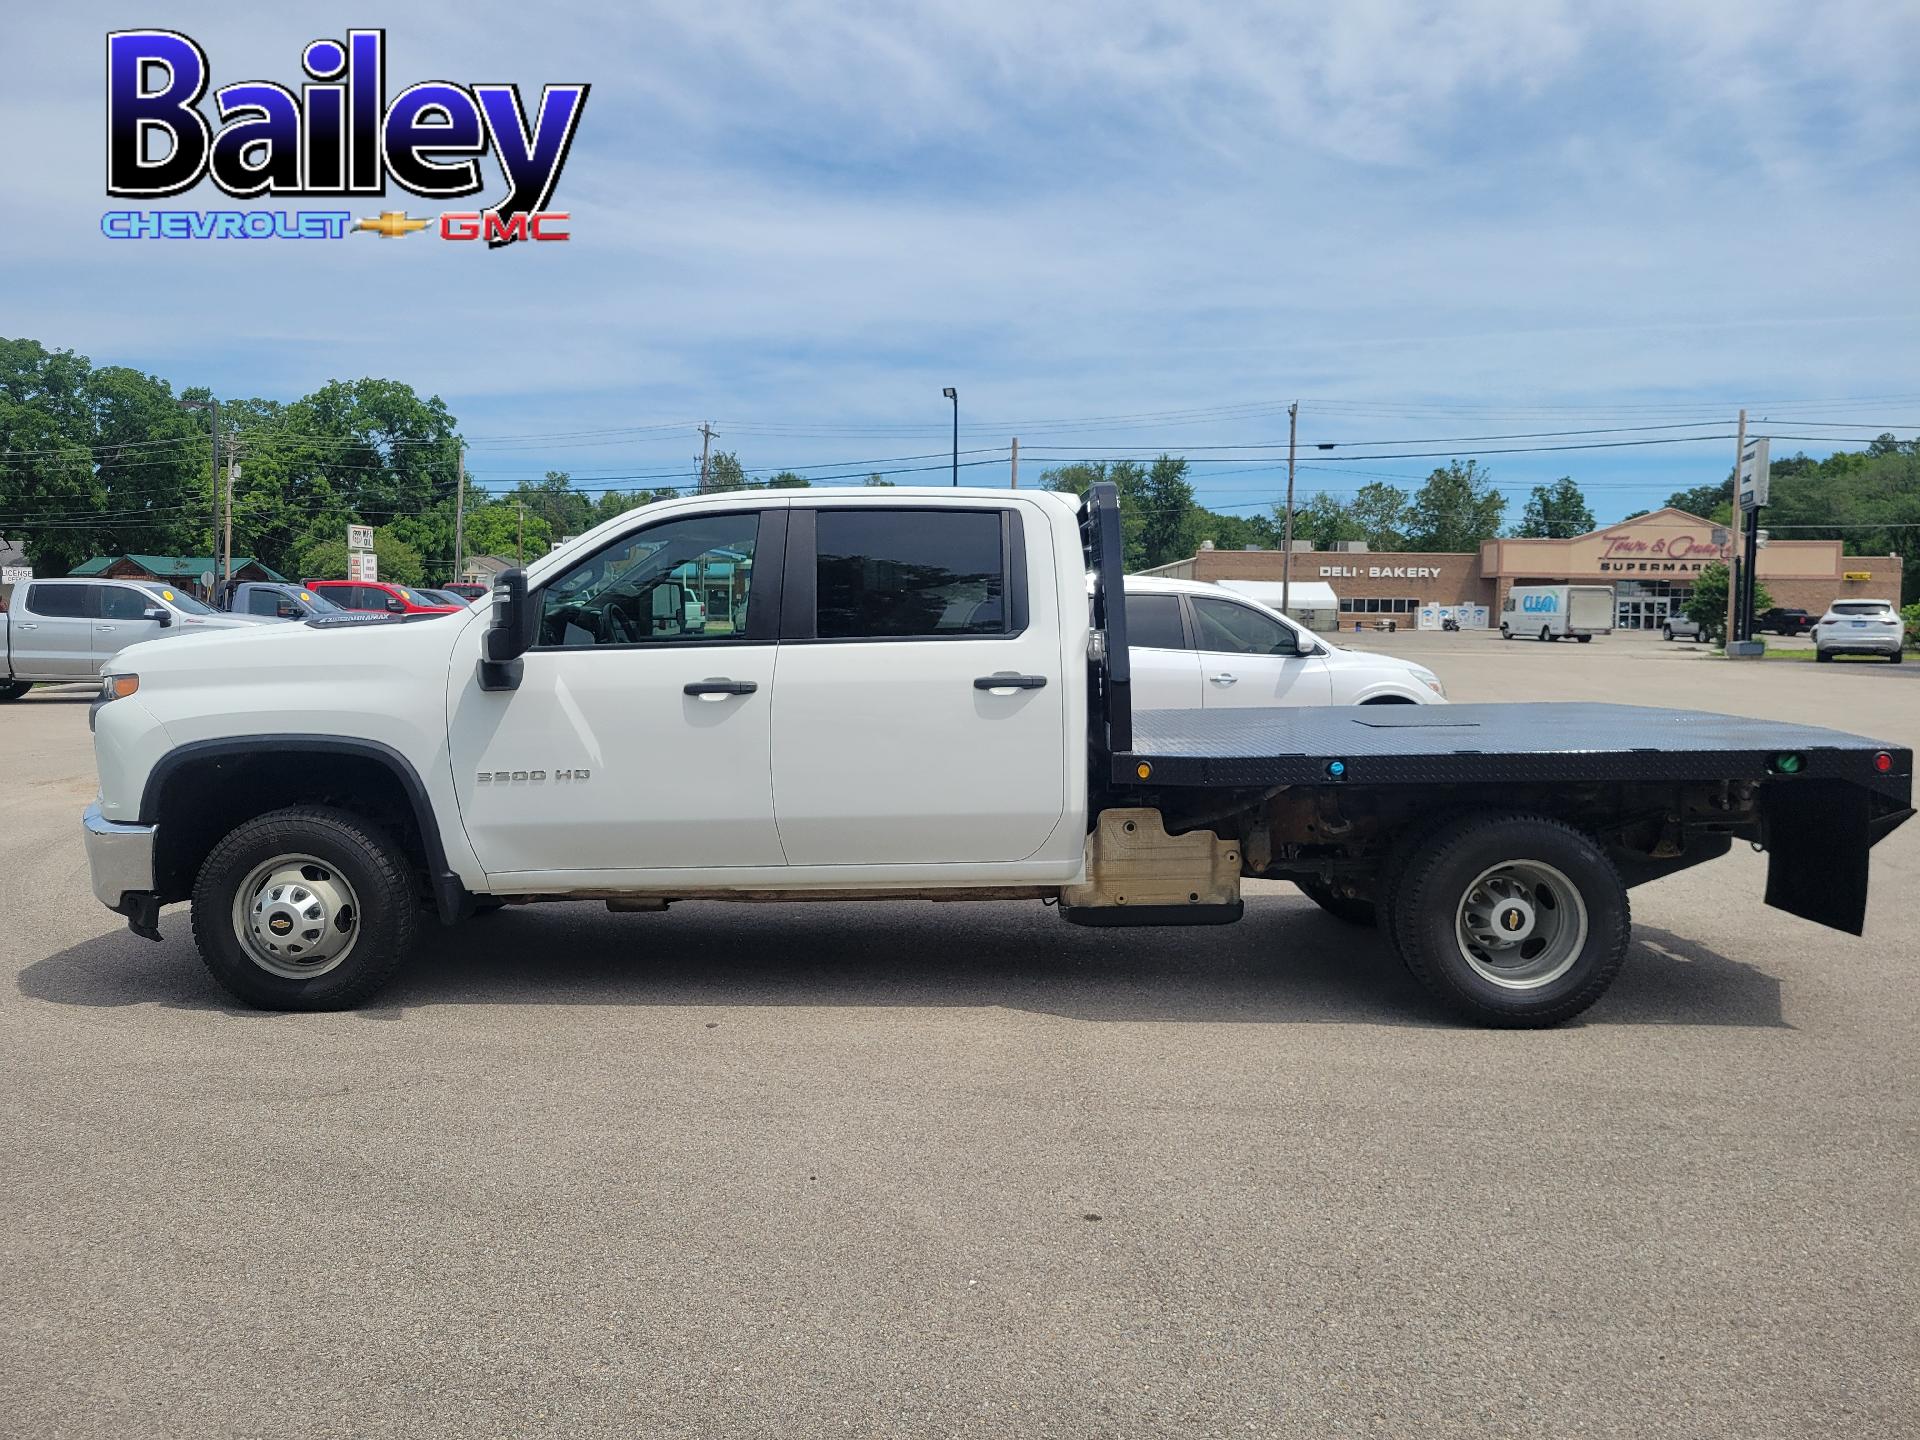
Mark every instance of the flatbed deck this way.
pixel 1495 744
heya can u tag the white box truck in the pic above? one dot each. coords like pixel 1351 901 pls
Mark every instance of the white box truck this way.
pixel 1548 612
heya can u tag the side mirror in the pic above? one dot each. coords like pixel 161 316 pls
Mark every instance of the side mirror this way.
pixel 395 606
pixel 162 618
pixel 510 635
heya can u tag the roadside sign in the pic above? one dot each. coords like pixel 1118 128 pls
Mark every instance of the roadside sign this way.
pixel 16 574
pixel 360 537
pixel 1753 474
pixel 362 565
pixel 206 581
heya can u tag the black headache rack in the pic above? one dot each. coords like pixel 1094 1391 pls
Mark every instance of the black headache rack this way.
pixel 1824 797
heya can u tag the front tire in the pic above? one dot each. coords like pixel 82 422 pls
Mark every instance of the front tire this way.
pixel 1505 633
pixel 304 909
pixel 1822 656
pixel 1546 632
pixel 1512 920
pixel 14 690
pixel 1666 632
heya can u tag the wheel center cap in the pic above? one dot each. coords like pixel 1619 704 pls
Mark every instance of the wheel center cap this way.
pixel 1513 921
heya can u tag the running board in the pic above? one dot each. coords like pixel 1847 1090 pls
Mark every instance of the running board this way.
pixel 1116 917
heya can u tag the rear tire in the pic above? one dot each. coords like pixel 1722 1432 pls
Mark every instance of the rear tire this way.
pixel 1505 633
pixel 1896 657
pixel 1546 633
pixel 1666 632
pixel 1512 920
pixel 1822 656
pixel 1583 639
pixel 262 886
pixel 14 690
pixel 1341 907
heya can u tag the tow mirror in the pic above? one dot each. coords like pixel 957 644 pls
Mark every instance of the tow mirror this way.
pixel 395 606
pixel 510 635
pixel 162 618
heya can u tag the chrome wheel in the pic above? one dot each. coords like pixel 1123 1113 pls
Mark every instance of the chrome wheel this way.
pixel 1521 924
pixel 296 917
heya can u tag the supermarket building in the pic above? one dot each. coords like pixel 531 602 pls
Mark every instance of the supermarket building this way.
pixel 1650 561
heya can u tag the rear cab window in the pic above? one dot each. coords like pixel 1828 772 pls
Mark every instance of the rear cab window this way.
pixel 1153 623
pixel 62 602
pixel 912 574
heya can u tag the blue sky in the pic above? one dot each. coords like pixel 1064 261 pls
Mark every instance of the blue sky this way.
pixel 1125 225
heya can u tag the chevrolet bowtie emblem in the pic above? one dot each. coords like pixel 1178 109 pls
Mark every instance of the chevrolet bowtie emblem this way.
pixel 390 223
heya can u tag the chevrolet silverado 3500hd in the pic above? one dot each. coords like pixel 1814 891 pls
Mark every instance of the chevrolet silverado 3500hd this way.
pixel 902 694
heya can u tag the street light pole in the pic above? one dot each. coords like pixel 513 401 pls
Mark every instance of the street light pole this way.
pixel 1286 553
pixel 954 395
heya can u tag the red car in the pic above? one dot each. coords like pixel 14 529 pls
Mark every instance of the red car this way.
pixel 379 596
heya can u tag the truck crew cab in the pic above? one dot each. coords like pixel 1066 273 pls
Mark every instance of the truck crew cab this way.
pixel 902 694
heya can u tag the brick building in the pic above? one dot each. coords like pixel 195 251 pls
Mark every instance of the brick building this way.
pixel 1650 562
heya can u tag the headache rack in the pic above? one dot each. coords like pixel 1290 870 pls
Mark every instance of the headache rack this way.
pixel 1109 669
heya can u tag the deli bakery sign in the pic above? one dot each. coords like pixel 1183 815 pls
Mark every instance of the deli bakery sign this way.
pixel 1381 572
pixel 1684 554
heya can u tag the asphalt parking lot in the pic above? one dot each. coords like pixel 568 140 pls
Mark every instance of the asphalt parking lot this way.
pixel 964 1170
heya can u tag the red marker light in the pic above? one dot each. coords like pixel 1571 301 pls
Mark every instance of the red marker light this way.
pixel 1883 762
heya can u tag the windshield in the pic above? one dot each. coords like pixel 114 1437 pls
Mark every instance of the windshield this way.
pixel 179 600
pixel 319 604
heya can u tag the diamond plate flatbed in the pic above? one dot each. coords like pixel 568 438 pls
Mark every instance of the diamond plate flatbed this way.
pixel 1493 744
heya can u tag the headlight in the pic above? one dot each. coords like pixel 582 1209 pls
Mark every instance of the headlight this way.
pixel 118 687
pixel 1430 680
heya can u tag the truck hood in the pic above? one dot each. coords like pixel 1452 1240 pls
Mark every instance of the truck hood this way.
pixel 263 650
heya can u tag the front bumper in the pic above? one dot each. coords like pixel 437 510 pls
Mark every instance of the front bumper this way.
pixel 121 860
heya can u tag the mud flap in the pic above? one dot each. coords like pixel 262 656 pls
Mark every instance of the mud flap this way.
pixel 1817 834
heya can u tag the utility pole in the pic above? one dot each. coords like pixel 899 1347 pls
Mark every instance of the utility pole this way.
pixel 520 545
pixel 706 442
pixel 213 408
pixel 954 395
pixel 226 569
pixel 459 514
pixel 1016 462
pixel 1286 556
pixel 1737 549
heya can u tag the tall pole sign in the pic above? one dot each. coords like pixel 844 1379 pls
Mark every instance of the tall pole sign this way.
pixel 1752 490
pixel 361 564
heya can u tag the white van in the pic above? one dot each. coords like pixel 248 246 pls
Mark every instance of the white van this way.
pixel 1551 611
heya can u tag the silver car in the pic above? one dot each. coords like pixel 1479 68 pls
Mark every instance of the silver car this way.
pixel 1859 627
pixel 1680 627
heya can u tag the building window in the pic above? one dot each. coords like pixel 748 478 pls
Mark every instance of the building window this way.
pixel 1377 605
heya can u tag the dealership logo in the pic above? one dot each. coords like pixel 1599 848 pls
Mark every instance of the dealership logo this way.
pixel 340 136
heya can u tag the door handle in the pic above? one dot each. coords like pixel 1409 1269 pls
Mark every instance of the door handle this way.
pixel 715 686
pixel 30 627
pixel 105 629
pixel 1010 682
pixel 1223 678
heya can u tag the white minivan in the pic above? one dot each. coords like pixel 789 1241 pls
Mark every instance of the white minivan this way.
pixel 1548 612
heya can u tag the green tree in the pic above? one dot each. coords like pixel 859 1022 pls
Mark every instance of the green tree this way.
pixel 876 480
pixel 1235 532
pixel 495 529
pixel 325 558
pixel 725 472
pixel 1384 515
pixel 618 502
pixel 1455 510
pixel 787 480
pixel 1555 512
pixel 1324 521
pixel 1707 605
pixel 564 509
pixel 1709 502
pixel 1169 520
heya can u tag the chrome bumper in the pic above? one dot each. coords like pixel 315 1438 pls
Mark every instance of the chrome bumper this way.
pixel 120 857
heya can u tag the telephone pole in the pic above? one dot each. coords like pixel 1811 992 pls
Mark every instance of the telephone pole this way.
pixel 459 514
pixel 1737 548
pixel 706 442
pixel 1016 462
pixel 226 568
pixel 1286 556
pixel 520 545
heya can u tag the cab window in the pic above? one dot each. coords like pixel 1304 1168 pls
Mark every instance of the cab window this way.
pixel 682 582
pixel 1226 628
pixel 60 601
pixel 905 574
pixel 118 602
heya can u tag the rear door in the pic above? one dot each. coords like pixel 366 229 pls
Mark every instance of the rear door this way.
pixel 891 742
pixel 53 633
pixel 122 620
pixel 1166 669
pixel 1250 659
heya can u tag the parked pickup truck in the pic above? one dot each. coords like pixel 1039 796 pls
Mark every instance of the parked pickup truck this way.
pixel 270 601
pixel 55 631
pixel 903 695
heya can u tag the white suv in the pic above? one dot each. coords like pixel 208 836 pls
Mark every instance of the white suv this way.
pixel 1196 646
pixel 1859 627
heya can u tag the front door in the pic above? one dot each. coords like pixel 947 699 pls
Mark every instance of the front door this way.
pixel 122 621
pixel 638 738
pixel 891 743
pixel 1249 659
